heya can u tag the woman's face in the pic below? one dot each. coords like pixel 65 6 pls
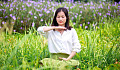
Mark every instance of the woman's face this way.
pixel 61 18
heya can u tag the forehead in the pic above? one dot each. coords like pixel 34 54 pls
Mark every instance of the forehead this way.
pixel 61 13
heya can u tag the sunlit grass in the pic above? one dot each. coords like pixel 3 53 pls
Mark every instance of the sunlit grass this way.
pixel 100 48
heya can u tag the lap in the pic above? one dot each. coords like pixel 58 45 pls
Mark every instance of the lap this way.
pixel 53 63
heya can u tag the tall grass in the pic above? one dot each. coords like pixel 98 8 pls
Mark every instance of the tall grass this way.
pixel 100 48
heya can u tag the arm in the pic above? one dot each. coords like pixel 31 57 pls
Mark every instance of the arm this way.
pixel 71 55
pixel 45 29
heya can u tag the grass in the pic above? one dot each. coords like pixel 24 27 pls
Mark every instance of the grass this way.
pixel 100 47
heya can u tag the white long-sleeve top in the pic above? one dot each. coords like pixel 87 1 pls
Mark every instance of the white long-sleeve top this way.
pixel 61 43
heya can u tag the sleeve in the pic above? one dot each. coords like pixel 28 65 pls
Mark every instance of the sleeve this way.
pixel 76 45
pixel 41 31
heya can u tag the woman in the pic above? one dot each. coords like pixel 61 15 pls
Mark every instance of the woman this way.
pixel 63 41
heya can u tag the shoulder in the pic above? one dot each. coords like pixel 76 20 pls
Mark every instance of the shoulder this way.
pixel 73 30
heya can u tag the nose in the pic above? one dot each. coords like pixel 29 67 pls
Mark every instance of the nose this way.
pixel 60 18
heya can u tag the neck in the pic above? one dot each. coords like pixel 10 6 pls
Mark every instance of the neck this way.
pixel 62 25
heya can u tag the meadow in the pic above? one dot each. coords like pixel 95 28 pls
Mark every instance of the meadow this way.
pixel 21 47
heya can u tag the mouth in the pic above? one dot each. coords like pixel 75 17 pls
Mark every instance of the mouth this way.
pixel 60 21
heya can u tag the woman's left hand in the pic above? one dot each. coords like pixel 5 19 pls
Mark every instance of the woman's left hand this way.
pixel 65 59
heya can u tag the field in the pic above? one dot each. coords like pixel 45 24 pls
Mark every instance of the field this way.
pixel 100 43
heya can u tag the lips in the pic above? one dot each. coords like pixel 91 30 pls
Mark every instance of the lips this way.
pixel 60 21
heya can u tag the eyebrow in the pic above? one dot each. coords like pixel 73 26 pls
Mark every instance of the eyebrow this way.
pixel 59 15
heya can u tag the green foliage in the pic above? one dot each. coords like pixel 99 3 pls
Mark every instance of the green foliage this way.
pixel 99 48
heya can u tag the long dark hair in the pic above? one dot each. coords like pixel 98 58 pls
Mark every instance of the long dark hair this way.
pixel 54 23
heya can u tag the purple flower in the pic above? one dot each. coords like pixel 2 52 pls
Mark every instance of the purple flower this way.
pixel 75 16
pixel 41 19
pixel 21 28
pixel 103 22
pixel 40 15
pixel 99 1
pixel 0 9
pixel 3 22
pixel 31 13
pixel 24 8
pixel 105 16
pixel 80 24
pixel 114 10
pixel 0 27
pixel 11 9
pixel 14 17
pixel 35 17
pixel 6 16
pixel 33 24
pixel 80 11
pixel 14 30
pixel 21 21
pixel 13 22
pixel 16 8
pixel 91 3
pixel 86 27
pixel 108 14
pixel 47 11
pixel 108 7
pixel 1 5
pixel 72 18
pixel 80 6
pixel 99 13
pixel 88 22
pixel 103 3
pixel 109 11
pixel 74 23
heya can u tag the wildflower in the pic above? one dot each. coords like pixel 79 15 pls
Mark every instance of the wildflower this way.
pixel 41 19
pixel 33 24
pixel 21 21
pixel 80 11
pixel 74 23
pixel 80 24
pixel 48 12
pixel 10 15
pixel 6 16
pixel 21 28
pixel 35 17
pixel 75 16
pixel 14 17
pixel 14 30
pixel 107 13
pixel 88 22
pixel 99 14
pixel 86 27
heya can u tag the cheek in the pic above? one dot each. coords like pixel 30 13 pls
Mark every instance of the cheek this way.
pixel 57 19
pixel 64 20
